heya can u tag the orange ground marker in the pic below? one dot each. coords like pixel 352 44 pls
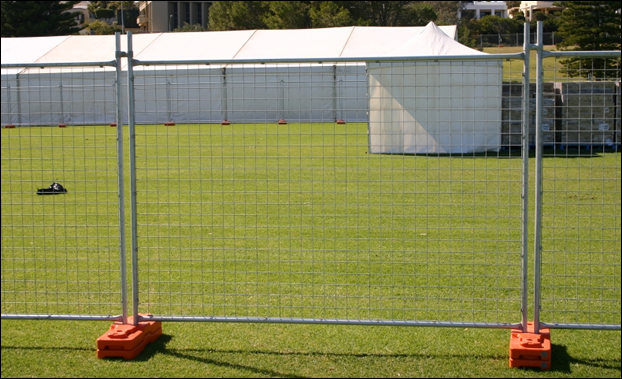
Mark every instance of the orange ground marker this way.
pixel 529 349
pixel 126 340
pixel 170 123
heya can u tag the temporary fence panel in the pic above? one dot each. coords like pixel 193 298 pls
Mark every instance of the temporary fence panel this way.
pixel 60 251
pixel 62 203
pixel 581 200
pixel 286 213
pixel 293 220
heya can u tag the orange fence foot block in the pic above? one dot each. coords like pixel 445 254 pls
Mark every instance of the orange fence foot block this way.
pixel 170 123
pixel 340 122
pixel 113 124
pixel 62 125
pixel 528 349
pixel 9 126
pixel 282 122
pixel 225 122
pixel 126 340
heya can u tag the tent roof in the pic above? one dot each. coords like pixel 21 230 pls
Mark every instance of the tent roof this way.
pixel 432 41
pixel 321 43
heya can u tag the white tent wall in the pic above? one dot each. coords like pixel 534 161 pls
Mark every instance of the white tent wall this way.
pixel 296 93
pixel 435 107
pixel 10 100
pixel 184 94
pixel 53 97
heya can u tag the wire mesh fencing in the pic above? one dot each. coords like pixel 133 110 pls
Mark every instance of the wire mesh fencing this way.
pixel 298 210
pixel 60 197
pixel 396 192
pixel 581 229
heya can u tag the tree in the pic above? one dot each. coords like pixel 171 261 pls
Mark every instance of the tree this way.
pixel 389 13
pixel 100 9
pixel 124 12
pixel 498 25
pixel 590 25
pixel 100 27
pixel 38 18
pixel 237 15
pixel 328 14
pixel 287 15
pixel 446 11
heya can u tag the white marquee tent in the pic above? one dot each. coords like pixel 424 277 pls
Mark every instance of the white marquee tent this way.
pixel 443 107
pixel 239 93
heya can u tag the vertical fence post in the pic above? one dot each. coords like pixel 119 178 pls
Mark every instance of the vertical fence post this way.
pixel 525 190
pixel 132 159
pixel 128 337
pixel 120 173
pixel 538 190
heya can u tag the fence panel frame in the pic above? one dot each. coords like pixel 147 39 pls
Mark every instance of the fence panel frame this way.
pixel 122 289
pixel 541 54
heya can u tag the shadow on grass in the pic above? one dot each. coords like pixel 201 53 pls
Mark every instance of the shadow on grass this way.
pixel 159 347
pixel 561 361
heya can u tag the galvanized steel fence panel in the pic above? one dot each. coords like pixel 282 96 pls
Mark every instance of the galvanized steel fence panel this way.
pixel 60 252
pixel 296 221
pixel 285 191
pixel 581 190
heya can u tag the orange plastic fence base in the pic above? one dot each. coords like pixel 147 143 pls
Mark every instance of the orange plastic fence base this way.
pixel 282 122
pixel 9 126
pixel 126 340
pixel 62 125
pixel 170 123
pixel 340 122
pixel 225 122
pixel 529 349
pixel 113 124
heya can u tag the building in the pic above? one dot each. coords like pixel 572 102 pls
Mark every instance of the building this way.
pixel 84 15
pixel 165 16
pixel 486 8
pixel 529 8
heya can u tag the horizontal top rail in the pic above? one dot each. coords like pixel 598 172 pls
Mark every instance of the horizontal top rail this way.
pixel 586 54
pixel 112 63
pixel 478 57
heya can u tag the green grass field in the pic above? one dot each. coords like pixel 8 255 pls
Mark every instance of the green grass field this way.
pixel 299 221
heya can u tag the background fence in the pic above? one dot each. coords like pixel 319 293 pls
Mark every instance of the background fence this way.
pixel 284 214
pixel 514 39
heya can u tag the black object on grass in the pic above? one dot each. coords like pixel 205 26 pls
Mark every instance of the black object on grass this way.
pixel 53 189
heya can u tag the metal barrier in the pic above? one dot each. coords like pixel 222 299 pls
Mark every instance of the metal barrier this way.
pixel 386 192
pixel 63 251
pixel 578 185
